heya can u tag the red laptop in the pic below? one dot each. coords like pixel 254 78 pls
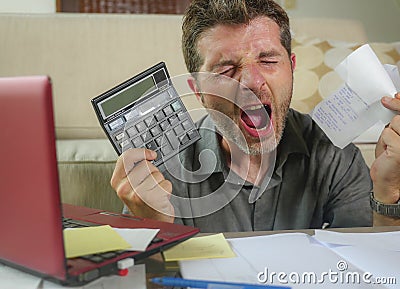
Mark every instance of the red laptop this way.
pixel 31 212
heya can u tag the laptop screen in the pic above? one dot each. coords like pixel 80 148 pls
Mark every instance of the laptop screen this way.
pixel 30 207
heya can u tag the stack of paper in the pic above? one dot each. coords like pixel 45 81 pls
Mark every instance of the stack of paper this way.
pixel 326 260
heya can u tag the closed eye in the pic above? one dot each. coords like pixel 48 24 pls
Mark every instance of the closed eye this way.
pixel 228 71
pixel 269 61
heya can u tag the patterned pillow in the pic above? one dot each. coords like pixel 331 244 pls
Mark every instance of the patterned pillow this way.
pixel 314 76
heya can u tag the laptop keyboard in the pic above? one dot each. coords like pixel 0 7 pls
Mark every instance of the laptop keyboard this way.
pixel 101 257
pixel 71 223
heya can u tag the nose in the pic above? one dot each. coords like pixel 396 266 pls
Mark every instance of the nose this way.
pixel 252 78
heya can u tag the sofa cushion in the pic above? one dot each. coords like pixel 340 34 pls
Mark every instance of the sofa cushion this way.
pixel 85 168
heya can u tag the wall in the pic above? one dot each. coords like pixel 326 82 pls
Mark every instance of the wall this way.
pixel 27 6
pixel 381 18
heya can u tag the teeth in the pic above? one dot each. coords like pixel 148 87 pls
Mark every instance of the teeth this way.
pixel 255 107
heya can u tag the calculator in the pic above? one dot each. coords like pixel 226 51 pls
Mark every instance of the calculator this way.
pixel 146 112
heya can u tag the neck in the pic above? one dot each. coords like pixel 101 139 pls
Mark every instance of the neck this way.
pixel 251 168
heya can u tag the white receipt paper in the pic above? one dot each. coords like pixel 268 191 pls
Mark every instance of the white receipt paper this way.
pixel 356 106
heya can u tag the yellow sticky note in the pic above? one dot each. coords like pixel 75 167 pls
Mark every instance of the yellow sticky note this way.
pixel 213 246
pixel 91 240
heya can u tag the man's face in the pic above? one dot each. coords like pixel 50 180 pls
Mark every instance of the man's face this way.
pixel 250 88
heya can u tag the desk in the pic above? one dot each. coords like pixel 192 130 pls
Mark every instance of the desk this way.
pixel 156 267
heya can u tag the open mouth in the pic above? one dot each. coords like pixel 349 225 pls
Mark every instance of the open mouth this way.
pixel 256 119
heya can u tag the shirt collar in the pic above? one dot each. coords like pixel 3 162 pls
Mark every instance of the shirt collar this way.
pixel 292 140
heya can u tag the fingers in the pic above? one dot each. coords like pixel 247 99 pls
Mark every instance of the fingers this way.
pixel 391 135
pixel 141 186
pixel 150 182
pixel 141 171
pixel 127 161
pixel 395 124
pixel 392 103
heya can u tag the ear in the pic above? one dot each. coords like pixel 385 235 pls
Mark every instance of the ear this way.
pixel 195 88
pixel 293 60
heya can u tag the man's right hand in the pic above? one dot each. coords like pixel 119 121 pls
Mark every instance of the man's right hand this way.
pixel 141 186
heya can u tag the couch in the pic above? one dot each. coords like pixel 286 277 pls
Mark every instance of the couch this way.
pixel 87 54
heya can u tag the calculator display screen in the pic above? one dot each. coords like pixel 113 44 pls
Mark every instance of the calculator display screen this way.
pixel 127 96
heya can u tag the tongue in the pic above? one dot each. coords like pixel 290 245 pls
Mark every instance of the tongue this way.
pixel 255 118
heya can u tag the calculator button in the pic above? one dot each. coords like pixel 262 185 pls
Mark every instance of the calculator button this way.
pixel 178 129
pixel 166 150
pixel 176 105
pixel 116 123
pixel 124 144
pixel 160 115
pixel 151 145
pixel 137 142
pixel 155 131
pixel 184 139
pixel 146 136
pixel 172 139
pixel 119 136
pixel 131 131
pixel 173 120
pixel 168 110
pixel 150 121
pixel 164 125
pixel 182 115
pixel 159 140
pixel 141 126
pixel 186 124
pixel 192 134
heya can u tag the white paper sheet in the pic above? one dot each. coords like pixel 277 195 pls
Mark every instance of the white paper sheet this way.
pixel 12 278
pixel 389 240
pixel 371 135
pixel 381 265
pixel 139 239
pixel 355 107
pixel 293 254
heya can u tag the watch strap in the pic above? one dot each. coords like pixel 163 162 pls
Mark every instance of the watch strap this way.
pixel 390 210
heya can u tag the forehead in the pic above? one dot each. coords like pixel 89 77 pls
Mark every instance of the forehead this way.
pixel 260 33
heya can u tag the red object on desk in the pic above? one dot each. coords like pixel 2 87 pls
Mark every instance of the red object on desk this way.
pixel 123 272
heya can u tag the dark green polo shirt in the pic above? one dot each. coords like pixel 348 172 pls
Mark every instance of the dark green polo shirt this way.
pixel 312 183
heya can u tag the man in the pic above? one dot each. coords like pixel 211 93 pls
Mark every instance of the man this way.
pixel 272 167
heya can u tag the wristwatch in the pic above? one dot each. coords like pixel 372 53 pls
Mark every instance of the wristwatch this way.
pixel 390 210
